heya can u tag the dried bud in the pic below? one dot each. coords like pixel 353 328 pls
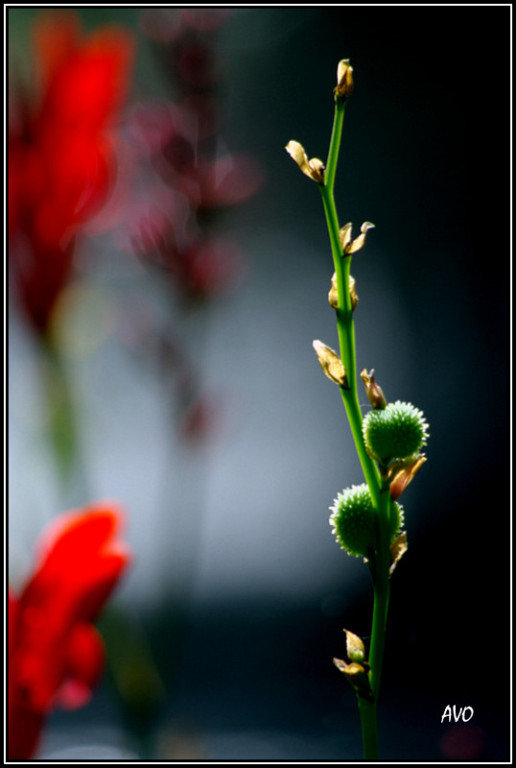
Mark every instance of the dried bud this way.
pixel 313 168
pixel 350 246
pixel 331 363
pixel 357 677
pixel 353 293
pixel 333 296
pixel 405 475
pixel 398 548
pixel 317 170
pixel 344 87
pixel 345 236
pixel 373 390
pixel 354 647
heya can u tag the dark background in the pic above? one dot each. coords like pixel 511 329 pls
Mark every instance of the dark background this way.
pixel 425 156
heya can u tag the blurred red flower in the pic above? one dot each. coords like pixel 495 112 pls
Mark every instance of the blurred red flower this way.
pixel 60 153
pixel 55 654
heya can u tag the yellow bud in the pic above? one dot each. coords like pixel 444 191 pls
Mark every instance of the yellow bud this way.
pixel 353 292
pixel 330 363
pixel 398 548
pixel 350 246
pixel 354 647
pixel 317 168
pixel 344 87
pixel 333 295
pixel 373 390
pixel 345 236
pixel 357 676
pixel 297 153
pixel 313 168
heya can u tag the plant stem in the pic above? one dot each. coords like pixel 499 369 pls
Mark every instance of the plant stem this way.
pixel 381 593
pixel 344 312
pixel 379 491
pixel 62 426
pixel 367 711
pixel 333 153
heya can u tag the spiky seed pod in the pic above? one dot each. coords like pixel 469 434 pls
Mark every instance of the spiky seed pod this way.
pixel 353 520
pixel 394 432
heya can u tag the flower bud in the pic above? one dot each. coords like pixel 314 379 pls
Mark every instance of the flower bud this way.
pixel 345 236
pixel 357 676
pixel 405 475
pixel 353 293
pixel 333 296
pixel 398 548
pixel 344 87
pixel 313 168
pixel 331 363
pixel 373 390
pixel 316 170
pixel 350 246
pixel 354 647
pixel 396 432
pixel 353 520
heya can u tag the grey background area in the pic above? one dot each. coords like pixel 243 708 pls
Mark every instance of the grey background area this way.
pixel 237 584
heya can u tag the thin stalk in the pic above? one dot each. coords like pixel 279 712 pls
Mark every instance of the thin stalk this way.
pixel 381 594
pixel 62 422
pixel 345 324
pixel 379 493
pixel 333 153
pixel 367 710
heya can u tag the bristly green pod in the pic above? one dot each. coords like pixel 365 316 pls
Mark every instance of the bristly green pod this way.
pixel 394 432
pixel 353 518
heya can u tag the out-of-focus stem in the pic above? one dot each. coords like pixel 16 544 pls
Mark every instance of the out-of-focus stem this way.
pixel 62 421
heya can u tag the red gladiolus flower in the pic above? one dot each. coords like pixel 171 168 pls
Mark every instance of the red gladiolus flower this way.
pixel 61 157
pixel 55 654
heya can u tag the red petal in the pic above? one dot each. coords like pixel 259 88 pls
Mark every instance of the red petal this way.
pixel 23 722
pixel 24 730
pixel 55 38
pixel 88 88
pixel 80 561
pixel 84 660
pixel 13 613
pixel 91 528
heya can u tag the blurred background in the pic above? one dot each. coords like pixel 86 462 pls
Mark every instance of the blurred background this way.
pixel 182 383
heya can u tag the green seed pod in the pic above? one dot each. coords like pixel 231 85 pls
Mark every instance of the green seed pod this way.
pixel 394 432
pixel 353 520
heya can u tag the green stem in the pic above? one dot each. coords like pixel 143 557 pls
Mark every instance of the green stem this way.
pixel 381 593
pixel 379 492
pixel 367 710
pixel 62 422
pixel 346 333
pixel 333 153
